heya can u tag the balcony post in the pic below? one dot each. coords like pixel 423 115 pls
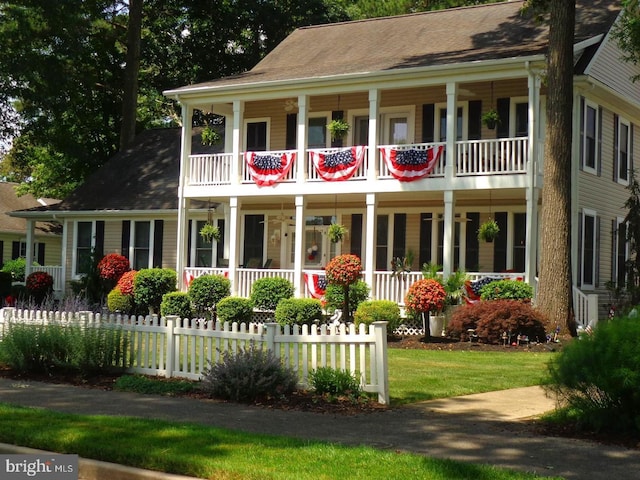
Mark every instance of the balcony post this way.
pixel 234 243
pixel 302 160
pixel 369 247
pixel 181 229
pixel 374 109
pixel 238 120
pixel 532 193
pixel 29 247
pixel 449 237
pixel 299 245
pixel 452 134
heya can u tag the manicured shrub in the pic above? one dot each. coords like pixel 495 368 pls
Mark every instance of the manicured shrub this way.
pixel 119 302
pixel 425 296
pixel 17 268
pixel 206 291
pixel 371 311
pixel 598 376
pixel 334 382
pixel 151 284
pixel 491 320
pixel 234 309
pixel 112 266
pixel 298 311
pixel 334 296
pixel 248 375
pixel 344 270
pixel 39 285
pixel 126 282
pixel 506 290
pixel 267 292
pixel 176 303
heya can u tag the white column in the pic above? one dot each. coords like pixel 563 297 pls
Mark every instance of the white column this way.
pixel 370 242
pixel 182 227
pixel 532 193
pixel 29 250
pixel 452 134
pixel 234 243
pixel 238 122
pixel 449 233
pixel 374 111
pixel 66 227
pixel 299 246
pixel 301 138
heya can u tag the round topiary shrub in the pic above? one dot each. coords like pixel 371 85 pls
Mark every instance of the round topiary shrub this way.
pixel 39 285
pixel 176 303
pixel 126 282
pixel 119 302
pixel 298 311
pixel 151 284
pixel 371 311
pixel 234 309
pixel 267 292
pixel 206 291
pixel 112 266
pixel 334 296
pixel 507 290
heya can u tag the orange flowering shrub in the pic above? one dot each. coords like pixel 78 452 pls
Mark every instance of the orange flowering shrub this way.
pixel 125 283
pixel 426 295
pixel 344 269
pixel 112 266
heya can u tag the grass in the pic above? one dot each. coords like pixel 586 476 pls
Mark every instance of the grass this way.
pixel 208 452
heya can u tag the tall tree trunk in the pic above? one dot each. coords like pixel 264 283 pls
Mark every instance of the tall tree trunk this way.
pixel 555 296
pixel 130 93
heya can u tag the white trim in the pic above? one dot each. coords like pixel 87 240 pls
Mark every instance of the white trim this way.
pixel 327 136
pixel 615 267
pixel 591 214
pixel 589 104
pixel 247 121
pixel 514 101
pixel 465 120
pixel 132 246
pixel 74 254
pixel 623 121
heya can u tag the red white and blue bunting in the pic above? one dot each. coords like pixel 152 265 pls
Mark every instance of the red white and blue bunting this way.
pixel 340 165
pixel 316 284
pixel 268 169
pixel 412 164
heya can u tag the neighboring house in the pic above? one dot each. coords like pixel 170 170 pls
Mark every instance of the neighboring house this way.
pixel 45 248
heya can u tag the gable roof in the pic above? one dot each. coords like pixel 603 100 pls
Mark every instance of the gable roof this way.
pixel 452 36
pixel 9 200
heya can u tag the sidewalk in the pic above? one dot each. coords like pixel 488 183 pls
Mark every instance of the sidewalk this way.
pixel 481 428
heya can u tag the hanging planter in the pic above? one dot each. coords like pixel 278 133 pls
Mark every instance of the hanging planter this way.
pixel 209 232
pixel 210 137
pixel 336 232
pixel 338 129
pixel 491 119
pixel 488 231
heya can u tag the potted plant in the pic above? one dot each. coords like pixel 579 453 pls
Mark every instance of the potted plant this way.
pixel 209 232
pixel 209 136
pixel 338 129
pixel 427 296
pixel 336 232
pixel 491 119
pixel 488 231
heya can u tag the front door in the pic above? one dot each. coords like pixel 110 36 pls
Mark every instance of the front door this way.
pixel 318 249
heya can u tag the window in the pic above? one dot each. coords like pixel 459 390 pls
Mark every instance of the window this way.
pixel 588 237
pixel 382 242
pixel 203 249
pixel 456 243
pixel 317 134
pixel 361 130
pixel 441 124
pixel 521 119
pixel 590 138
pixel 623 149
pixel 257 136
pixel 141 246
pixel 519 241
pixel 85 235
pixel 621 253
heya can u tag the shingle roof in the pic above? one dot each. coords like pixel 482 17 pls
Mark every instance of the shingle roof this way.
pixel 10 201
pixel 466 34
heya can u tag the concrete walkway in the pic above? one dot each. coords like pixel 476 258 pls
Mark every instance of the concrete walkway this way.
pixel 482 428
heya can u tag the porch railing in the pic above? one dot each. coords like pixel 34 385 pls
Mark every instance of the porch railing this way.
pixel 484 157
pixel 210 169
pixel 289 177
pixel 54 270
pixel 585 306
pixel 312 173
pixel 438 169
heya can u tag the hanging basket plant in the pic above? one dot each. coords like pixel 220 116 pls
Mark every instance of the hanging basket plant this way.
pixel 336 232
pixel 491 119
pixel 338 129
pixel 488 231
pixel 209 232
pixel 210 137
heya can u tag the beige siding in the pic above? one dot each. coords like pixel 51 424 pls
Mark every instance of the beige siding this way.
pixel 52 249
pixel 608 68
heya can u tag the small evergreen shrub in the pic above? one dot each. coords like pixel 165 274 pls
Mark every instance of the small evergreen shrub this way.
pixel 334 296
pixel 334 382
pixel 298 311
pixel 118 302
pixel 371 311
pixel 234 309
pixel 176 303
pixel 506 290
pixel 598 376
pixel 151 284
pixel 491 319
pixel 267 292
pixel 17 268
pixel 248 375
pixel 206 291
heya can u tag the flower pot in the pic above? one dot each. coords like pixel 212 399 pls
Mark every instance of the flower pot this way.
pixel 436 324
pixel 491 124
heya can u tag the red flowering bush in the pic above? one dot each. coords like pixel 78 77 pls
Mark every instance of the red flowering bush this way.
pixel 113 266
pixel 424 296
pixel 39 285
pixel 344 270
pixel 125 283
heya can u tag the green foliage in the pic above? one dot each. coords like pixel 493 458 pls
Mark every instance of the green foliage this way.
pixel 506 290
pixel 5 283
pixel 488 231
pixel 371 311
pixel 491 320
pixel 267 292
pixel 151 284
pixel 119 302
pixel 154 386
pixel 298 311
pixel 334 296
pixel 334 382
pixel 627 32
pixel 248 375
pixel 90 285
pixel 598 376
pixel 16 268
pixel 176 303
pixel 206 291
pixel 234 309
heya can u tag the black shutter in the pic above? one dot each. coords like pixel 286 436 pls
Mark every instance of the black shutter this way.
pixel 428 119
pixel 99 248
pixel 15 250
pixel 599 147
pixel 475 119
pixel 399 234
pixel 616 133
pixel 500 243
pixel 614 251
pixel 1 253
pixel 596 281
pixel 580 252
pixel 503 108
pixel 40 255
pixel 126 235
pixel 472 254
pixel 356 234
pixel 426 226
pixel 335 115
pixel 189 240
pixel 582 114
pixel 631 169
pixel 292 130
pixel 158 231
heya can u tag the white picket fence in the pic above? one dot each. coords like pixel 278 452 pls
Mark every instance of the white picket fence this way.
pixel 174 347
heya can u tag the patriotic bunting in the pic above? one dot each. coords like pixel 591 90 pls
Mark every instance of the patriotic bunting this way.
pixel 412 164
pixel 316 284
pixel 268 169
pixel 340 165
